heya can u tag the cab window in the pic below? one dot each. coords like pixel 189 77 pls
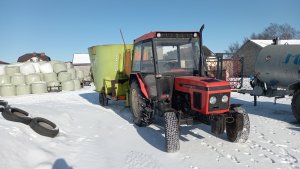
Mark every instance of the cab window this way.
pixel 147 58
pixel 136 61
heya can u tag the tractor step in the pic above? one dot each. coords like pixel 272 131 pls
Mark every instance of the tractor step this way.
pixel 187 120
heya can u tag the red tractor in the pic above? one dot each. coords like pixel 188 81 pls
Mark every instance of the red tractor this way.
pixel 168 79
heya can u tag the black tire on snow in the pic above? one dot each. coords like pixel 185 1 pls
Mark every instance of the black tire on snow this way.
pixel 238 130
pixel 171 132
pixel 44 127
pixel 3 103
pixel 16 115
pixel 137 106
pixel 103 99
pixel 296 105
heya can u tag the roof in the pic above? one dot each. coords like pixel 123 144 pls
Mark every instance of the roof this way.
pixel 81 58
pixel 28 56
pixel 1 62
pixel 164 34
pixel 264 43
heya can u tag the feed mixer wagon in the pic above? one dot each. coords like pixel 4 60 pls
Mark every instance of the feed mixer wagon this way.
pixel 111 67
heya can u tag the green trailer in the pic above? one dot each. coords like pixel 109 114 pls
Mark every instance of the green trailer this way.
pixel 110 67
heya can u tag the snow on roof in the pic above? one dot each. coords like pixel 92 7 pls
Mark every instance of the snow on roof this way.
pixel 81 58
pixel 264 43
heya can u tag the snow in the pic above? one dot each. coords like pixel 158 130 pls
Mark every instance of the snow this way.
pixel 95 137
pixel 264 43
pixel 81 58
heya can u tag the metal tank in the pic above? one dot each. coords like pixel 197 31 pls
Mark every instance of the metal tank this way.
pixel 109 67
pixel 278 65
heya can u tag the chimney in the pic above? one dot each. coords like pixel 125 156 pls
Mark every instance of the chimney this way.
pixel 275 41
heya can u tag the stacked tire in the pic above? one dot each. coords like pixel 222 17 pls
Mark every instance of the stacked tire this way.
pixel 40 125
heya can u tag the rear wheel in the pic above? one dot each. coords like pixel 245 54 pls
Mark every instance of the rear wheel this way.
pixel 171 132
pixel 239 128
pixel 103 99
pixel 296 105
pixel 138 105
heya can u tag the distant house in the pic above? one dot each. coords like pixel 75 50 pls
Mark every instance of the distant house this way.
pixel 81 61
pixel 3 63
pixel 34 57
pixel 251 49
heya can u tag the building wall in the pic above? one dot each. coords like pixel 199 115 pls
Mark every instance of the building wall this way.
pixel 249 51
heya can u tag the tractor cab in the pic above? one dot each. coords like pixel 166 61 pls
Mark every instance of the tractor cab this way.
pixel 159 57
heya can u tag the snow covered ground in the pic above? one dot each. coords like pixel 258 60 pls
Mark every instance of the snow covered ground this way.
pixel 94 137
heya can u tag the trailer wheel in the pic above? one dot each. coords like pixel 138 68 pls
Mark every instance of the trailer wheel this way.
pixel 137 106
pixel 238 129
pixel 103 99
pixel 296 105
pixel 171 132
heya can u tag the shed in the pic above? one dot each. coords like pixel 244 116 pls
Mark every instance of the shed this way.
pixel 81 61
pixel 251 49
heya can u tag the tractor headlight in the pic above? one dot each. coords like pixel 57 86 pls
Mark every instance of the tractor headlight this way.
pixel 213 100
pixel 158 35
pixel 225 98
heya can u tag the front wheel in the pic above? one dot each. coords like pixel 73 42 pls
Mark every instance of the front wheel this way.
pixel 238 128
pixel 296 105
pixel 171 132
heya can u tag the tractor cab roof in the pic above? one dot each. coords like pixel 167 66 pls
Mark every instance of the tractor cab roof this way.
pixel 162 34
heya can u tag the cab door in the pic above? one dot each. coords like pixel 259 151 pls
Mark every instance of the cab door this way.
pixel 148 68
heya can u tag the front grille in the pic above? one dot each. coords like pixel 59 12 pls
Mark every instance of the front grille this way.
pixel 197 100
pixel 219 104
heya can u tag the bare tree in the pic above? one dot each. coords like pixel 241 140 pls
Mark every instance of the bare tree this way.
pixel 284 31
pixel 232 49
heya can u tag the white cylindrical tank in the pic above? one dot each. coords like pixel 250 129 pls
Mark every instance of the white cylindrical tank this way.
pixel 278 65
pixel 77 84
pixel 2 70
pixel 48 77
pixel 64 76
pixel 12 69
pixel 23 89
pixel 46 67
pixel 17 79
pixel 39 87
pixel 68 85
pixel 32 78
pixel 79 74
pixel 8 90
pixel 73 73
pixel 59 67
pixel 27 68
pixel 4 79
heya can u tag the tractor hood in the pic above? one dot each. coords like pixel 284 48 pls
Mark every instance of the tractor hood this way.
pixel 201 83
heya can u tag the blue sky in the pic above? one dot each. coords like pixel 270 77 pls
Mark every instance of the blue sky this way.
pixel 63 27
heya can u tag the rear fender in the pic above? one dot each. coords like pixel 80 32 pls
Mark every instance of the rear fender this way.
pixel 294 86
pixel 138 78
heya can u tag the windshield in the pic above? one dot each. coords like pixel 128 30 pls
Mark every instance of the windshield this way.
pixel 177 55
